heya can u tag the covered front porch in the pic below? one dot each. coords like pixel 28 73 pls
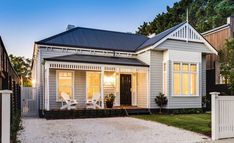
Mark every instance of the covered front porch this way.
pixel 85 82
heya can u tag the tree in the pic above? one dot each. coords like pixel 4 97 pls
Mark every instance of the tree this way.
pixel 226 59
pixel 203 15
pixel 22 66
pixel 161 100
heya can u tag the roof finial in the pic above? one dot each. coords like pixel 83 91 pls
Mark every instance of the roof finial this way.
pixel 187 29
pixel 187 20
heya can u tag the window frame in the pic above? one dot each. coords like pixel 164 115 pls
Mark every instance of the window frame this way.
pixel 189 80
pixel 57 86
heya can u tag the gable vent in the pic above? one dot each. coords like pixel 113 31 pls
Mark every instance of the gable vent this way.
pixel 186 32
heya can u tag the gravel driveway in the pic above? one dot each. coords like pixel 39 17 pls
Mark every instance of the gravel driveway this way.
pixel 103 130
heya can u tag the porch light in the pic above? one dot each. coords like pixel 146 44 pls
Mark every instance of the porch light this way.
pixel 109 80
pixel 33 82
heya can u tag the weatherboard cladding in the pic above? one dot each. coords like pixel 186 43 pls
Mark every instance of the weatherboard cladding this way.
pixel 104 40
pixel 98 59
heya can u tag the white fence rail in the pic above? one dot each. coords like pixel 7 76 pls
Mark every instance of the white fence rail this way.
pixel 222 116
pixel 5 115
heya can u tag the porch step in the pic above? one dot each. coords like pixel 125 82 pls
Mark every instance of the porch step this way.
pixel 143 111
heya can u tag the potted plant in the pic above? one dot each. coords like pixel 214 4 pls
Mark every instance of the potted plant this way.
pixel 161 100
pixel 109 99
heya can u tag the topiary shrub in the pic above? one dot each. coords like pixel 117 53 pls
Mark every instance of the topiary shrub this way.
pixel 161 101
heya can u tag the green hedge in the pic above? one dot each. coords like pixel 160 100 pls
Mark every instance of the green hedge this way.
pixel 16 126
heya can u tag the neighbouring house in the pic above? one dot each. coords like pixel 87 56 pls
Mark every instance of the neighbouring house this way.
pixel 217 38
pixel 85 62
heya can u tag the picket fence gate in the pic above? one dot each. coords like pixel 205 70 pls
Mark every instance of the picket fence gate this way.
pixel 222 114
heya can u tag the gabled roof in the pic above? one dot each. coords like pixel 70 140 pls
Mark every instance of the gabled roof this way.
pixel 159 36
pixel 216 29
pixel 118 41
pixel 104 40
pixel 96 39
pixel 98 60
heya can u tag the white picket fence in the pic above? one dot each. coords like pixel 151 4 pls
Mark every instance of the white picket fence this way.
pixel 222 114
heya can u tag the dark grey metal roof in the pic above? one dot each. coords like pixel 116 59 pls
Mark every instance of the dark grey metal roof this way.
pixel 159 36
pixel 96 39
pixel 104 40
pixel 98 59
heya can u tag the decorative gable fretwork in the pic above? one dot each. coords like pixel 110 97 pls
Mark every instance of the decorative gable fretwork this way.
pixel 186 32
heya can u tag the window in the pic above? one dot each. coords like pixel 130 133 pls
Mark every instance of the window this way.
pixel 184 79
pixel 64 84
pixel 176 81
pixel 93 84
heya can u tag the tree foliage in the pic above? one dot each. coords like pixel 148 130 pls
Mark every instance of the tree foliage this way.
pixel 22 66
pixel 203 15
pixel 226 57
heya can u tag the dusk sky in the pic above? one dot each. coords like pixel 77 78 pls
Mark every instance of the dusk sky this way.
pixel 22 22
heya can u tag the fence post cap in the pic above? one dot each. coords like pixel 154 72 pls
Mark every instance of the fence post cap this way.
pixel 5 91
pixel 214 93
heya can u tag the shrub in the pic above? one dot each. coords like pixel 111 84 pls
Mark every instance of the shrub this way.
pixel 161 101
pixel 187 111
pixel 109 99
pixel 206 102
pixel 15 126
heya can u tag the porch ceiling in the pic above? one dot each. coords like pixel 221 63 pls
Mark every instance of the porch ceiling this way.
pixel 98 60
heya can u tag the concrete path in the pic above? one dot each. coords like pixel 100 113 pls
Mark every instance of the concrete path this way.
pixel 104 130
pixel 223 141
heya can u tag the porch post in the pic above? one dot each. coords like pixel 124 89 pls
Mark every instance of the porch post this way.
pixel 102 85
pixel 47 103
pixel 148 87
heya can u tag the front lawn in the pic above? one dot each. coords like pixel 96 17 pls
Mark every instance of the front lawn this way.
pixel 199 123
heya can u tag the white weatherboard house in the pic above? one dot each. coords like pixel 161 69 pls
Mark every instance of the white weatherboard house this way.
pixel 84 62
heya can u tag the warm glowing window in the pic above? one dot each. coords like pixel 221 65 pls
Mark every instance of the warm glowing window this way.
pixel 185 79
pixel 93 85
pixel 64 83
pixel 176 81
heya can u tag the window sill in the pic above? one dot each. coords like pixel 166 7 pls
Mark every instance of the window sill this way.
pixel 186 96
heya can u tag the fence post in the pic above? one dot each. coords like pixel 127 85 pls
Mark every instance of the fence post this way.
pixel 6 111
pixel 214 115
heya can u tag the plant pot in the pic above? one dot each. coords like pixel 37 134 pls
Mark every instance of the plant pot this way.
pixel 109 104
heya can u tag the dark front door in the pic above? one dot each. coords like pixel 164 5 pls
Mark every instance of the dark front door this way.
pixel 125 89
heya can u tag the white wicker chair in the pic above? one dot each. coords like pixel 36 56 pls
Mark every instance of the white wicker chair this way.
pixel 94 103
pixel 70 104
